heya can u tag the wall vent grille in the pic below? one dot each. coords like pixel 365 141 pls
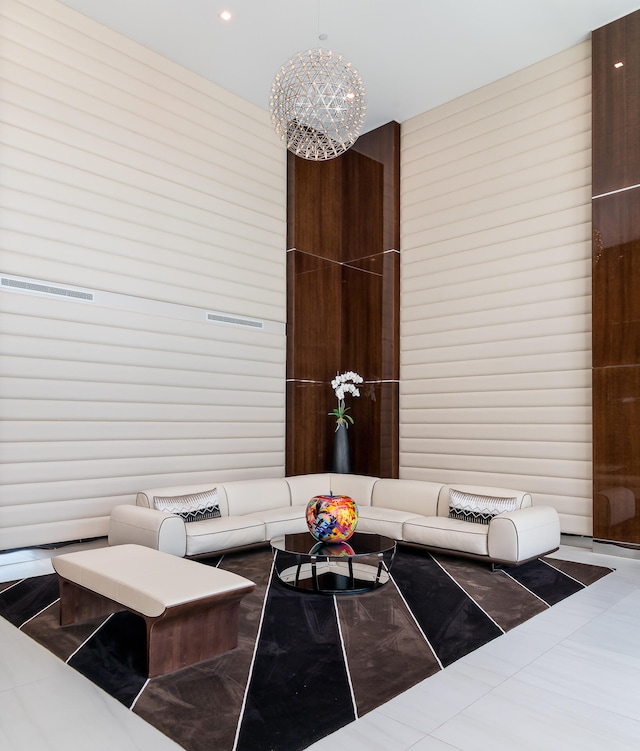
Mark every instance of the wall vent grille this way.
pixel 43 288
pixel 249 323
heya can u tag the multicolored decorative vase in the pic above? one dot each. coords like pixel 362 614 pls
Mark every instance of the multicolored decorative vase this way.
pixel 332 549
pixel 332 518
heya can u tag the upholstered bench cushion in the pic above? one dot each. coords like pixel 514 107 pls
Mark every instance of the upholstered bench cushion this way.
pixel 143 579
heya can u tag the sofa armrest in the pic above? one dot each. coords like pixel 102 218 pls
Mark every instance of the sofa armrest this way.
pixel 148 527
pixel 518 536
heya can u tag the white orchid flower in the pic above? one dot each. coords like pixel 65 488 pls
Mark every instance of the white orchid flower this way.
pixel 344 384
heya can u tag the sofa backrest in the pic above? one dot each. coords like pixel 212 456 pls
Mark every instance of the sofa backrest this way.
pixel 357 487
pixel 304 487
pixel 523 499
pixel 414 496
pixel 251 496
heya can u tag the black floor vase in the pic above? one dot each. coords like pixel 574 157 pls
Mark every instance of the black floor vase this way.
pixel 341 460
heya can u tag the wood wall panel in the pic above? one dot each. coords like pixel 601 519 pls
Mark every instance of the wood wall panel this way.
pixel 616 470
pixel 363 207
pixel 362 319
pixel 315 207
pixel 616 111
pixel 615 275
pixel 309 430
pixel 390 370
pixel 386 150
pixel 314 301
pixel 343 303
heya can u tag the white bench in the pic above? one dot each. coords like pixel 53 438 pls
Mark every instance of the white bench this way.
pixel 190 609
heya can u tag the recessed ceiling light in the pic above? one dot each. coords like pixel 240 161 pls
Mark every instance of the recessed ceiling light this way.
pixel 619 64
pixel 225 15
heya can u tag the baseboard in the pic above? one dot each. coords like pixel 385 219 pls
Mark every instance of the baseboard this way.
pixel 621 549
pixel 577 541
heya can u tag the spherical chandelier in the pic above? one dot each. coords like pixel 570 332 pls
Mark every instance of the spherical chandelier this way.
pixel 318 104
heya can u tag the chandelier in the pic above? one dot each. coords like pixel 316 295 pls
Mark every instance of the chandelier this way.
pixel 318 105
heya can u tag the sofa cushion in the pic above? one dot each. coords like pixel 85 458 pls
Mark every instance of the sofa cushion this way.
pixel 448 534
pixel 383 521
pixel 357 487
pixel 479 509
pixel 416 496
pixel 304 487
pixel 193 507
pixel 254 496
pixel 287 520
pixel 212 535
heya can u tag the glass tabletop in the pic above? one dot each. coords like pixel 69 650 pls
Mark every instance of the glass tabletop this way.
pixel 359 564
pixel 360 543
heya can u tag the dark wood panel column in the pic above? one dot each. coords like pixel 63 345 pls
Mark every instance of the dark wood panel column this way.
pixel 343 302
pixel 616 105
pixel 616 281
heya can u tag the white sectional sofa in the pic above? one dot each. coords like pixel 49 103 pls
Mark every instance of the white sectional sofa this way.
pixel 413 512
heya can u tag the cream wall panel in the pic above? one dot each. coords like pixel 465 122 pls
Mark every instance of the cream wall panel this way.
pixel 493 239
pixel 548 76
pixel 165 197
pixel 496 288
pixel 529 449
pixel 119 62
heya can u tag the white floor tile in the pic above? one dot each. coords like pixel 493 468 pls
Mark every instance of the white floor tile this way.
pixel 601 678
pixel 432 702
pixel 44 716
pixel 25 570
pixel 527 718
pixel 433 744
pixel 373 732
pixel 24 660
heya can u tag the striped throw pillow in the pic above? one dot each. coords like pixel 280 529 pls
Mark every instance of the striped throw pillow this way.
pixel 192 508
pixel 479 509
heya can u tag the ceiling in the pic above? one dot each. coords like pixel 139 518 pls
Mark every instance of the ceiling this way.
pixel 412 55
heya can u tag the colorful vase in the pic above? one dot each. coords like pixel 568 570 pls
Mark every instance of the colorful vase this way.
pixel 332 549
pixel 332 518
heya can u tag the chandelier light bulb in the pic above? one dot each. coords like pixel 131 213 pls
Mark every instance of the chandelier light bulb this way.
pixel 318 104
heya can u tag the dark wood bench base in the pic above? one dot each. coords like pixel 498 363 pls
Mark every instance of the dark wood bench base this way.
pixel 183 635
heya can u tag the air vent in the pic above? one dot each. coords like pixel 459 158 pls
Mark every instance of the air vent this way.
pixel 249 323
pixel 43 288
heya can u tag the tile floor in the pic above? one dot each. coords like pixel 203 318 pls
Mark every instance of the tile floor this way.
pixel 568 679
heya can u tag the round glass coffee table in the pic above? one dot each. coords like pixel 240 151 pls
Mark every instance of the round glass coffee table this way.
pixel 360 564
